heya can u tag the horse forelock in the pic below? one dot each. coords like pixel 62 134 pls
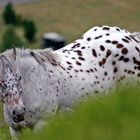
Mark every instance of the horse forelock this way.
pixel 6 62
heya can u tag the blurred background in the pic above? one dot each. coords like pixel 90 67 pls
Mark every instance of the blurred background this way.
pixel 44 23
pixel 30 21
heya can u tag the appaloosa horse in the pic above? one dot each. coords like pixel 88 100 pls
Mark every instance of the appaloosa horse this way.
pixel 34 84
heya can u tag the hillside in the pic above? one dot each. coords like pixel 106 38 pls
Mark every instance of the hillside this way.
pixel 73 18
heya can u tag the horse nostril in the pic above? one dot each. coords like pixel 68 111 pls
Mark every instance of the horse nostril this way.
pixel 19 114
pixel 14 112
pixel 24 110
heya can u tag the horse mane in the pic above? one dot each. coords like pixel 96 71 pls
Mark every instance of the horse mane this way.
pixel 41 56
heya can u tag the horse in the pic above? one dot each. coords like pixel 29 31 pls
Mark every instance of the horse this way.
pixel 36 84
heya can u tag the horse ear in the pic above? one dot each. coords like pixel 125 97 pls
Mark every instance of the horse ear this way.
pixel 13 55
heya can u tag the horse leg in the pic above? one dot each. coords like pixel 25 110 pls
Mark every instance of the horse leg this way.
pixel 13 133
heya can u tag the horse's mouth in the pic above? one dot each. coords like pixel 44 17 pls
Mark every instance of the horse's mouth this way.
pixel 18 119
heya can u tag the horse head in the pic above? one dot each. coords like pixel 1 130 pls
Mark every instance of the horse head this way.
pixel 10 87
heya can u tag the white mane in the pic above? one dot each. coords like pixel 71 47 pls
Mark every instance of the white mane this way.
pixel 41 56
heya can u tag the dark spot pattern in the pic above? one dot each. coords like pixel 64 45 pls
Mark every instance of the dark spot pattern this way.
pixel 102 48
pixel 107 34
pixel 81 58
pixel 121 58
pixel 132 37
pixel 79 52
pixel 98 37
pixel 126 60
pixel 125 40
pixel 106 28
pixel 94 53
pixel 119 46
pixel 124 51
pixel 114 42
pixel 115 70
pixel 128 38
pixel 101 63
pixel 108 53
pixel 88 39
pixel 138 50
pixel 78 63
pixel 108 41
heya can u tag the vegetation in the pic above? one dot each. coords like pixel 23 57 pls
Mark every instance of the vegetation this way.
pixel 9 15
pixel 10 39
pixel 29 30
pixel 111 117
pixel 77 16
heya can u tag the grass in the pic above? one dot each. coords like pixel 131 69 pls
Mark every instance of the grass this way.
pixel 116 117
pixel 112 117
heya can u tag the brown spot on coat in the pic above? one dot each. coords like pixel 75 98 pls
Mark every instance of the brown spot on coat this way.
pixel 114 42
pixel 94 53
pixel 105 73
pixel 88 39
pixel 115 70
pixel 108 41
pixel 78 63
pixel 81 58
pixel 108 53
pixel 128 38
pixel 136 61
pixel 113 63
pixel 121 58
pixel 107 34
pixel 124 51
pixel 137 49
pixel 106 28
pixel 119 46
pixel 102 48
pixel 97 37
pixel 125 40
pixel 69 63
pixel 79 52
pixel 126 60
pixel 102 62
pixel 118 29
pixel 83 47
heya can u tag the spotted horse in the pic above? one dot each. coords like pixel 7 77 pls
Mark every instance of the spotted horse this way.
pixel 35 84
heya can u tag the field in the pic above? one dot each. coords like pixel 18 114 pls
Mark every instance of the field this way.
pixel 72 18
pixel 115 117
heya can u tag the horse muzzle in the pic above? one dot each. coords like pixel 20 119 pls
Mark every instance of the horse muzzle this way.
pixel 18 114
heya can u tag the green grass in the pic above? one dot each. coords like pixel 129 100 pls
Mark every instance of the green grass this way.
pixel 116 117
